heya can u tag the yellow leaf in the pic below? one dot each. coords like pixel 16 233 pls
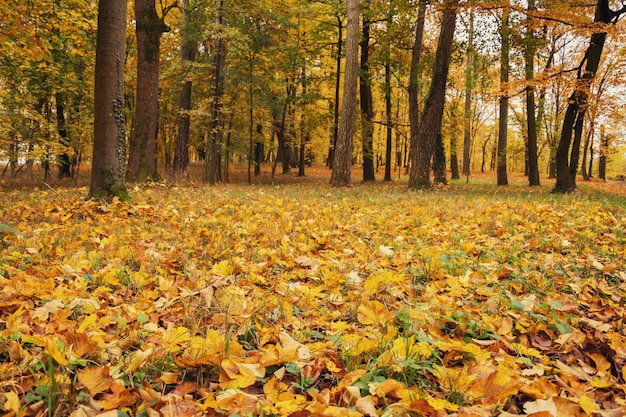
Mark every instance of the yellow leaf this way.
pixel 587 404
pixel 333 411
pixel 54 350
pixel 12 403
pixel 601 383
pixel 223 268
pixel 372 311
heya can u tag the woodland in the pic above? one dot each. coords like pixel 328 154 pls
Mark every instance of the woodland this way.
pixel 312 208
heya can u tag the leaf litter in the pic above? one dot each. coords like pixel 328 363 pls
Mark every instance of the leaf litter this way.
pixel 303 301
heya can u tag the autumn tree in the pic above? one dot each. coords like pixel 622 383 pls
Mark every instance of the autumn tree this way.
pixel 109 140
pixel 149 27
pixel 215 130
pixel 503 116
pixel 567 153
pixel 531 116
pixel 366 99
pixel 423 144
pixel 188 53
pixel 342 161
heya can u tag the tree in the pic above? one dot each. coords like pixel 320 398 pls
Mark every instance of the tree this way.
pixel 214 142
pixel 342 160
pixel 566 162
pixel 142 164
pixel 501 167
pixel 109 139
pixel 467 121
pixel 424 142
pixel 414 86
pixel 188 54
pixel 366 99
pixel 531 118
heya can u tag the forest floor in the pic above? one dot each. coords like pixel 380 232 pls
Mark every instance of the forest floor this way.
pixel 294 298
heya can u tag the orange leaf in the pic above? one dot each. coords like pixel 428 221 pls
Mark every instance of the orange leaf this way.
pixel 121 397
pixel 96 379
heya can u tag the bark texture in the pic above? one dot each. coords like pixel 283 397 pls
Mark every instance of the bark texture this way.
pixel 109 142
pixel 423 144
pixel 342 161
pixel 188 54
pixel 142 163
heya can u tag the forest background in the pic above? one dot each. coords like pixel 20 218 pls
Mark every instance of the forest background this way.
pixel 279 78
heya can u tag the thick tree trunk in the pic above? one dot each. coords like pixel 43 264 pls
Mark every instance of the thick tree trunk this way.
pixel 109 141
pixel 142 163
pixel 342 161
pixel 566 163
pixel 188 54
pixel 469 84
pixel 367 105
pixel 504 100
pixel 423 147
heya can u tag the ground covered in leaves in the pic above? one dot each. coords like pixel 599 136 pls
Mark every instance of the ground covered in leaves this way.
pixel 303 300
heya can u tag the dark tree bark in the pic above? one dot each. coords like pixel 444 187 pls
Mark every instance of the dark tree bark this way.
pixel 342 161
pixel 414 73
pixel 188 54
pixel 109 142
pixel 216 130
pixel 388 121
pixel 531 119
pixel 439 163
pixel 64 161
pixel 423 145
pixel 604 148
pixel 501 168
pixel 142 165
pixel 469 84
pixel 567 151
pixel 367 105
pixel 454 159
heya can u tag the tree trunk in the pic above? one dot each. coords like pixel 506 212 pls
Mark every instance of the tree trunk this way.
pixel 469 83
pixel 389 121
pixel 574 115
pixel 142 164
pixel 64 157
pixel 604 148
pixel 188 54
pixel 109 141
pixel 367 105
pixel 504 99
pixel 335 133
pixel 423 145
pixel 215 133
pixel 531 119
pixel 454 159
pixel 342 161
pixel 414 75
pixel 439 163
